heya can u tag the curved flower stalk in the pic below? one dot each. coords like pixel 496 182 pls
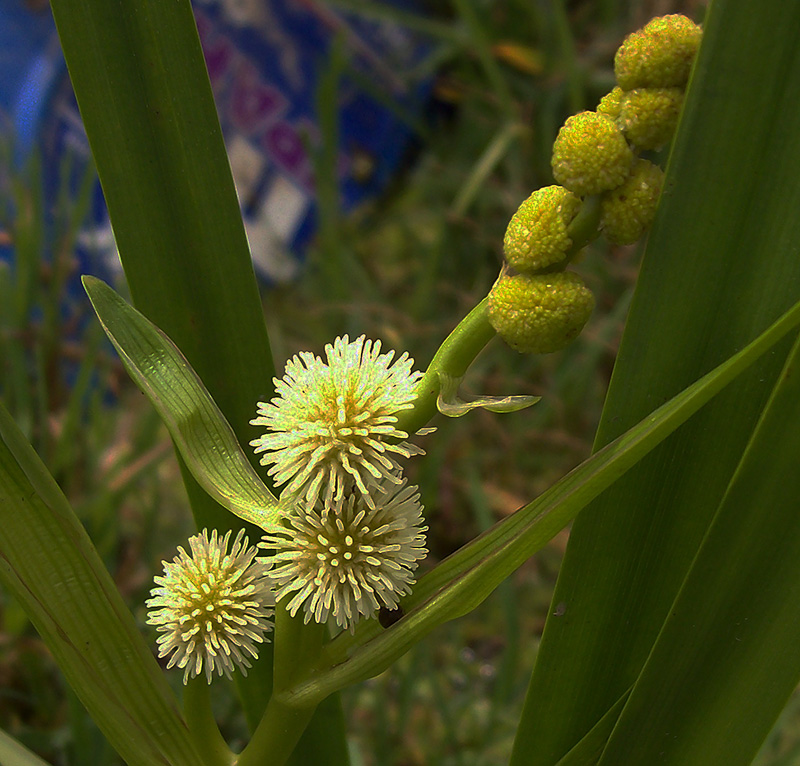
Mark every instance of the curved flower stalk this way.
pixel 332 424
pixel 349 562
pixel 212 606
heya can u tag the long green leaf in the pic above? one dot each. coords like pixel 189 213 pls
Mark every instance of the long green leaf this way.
pixel 140 80
pixel 466 578
pixel 204 438
pixel 48 562
pixel 139 77
pixel 726 660
pixel 720 264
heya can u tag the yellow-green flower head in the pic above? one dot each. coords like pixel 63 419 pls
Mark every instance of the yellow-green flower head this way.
pixel 611 104
pixel 660 55
pixel 540 313
pixel 536 236
pixel 211 606
pixel 349 562
pixel 331 426
pixel 628 210
pixel 590 154
pixel 649 115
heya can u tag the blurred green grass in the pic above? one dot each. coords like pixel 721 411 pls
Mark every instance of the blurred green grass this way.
pixel 404 268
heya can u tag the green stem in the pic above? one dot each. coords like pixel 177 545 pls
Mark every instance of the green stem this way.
pixel 461 347
pixel 276 736
pixel 453 358
pixel 201 723
pixel 583 228
pixel 297 648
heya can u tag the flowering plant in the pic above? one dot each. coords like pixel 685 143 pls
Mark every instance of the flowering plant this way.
pixel 656 625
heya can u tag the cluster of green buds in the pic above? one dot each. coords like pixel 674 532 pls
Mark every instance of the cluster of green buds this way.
pixel 603 185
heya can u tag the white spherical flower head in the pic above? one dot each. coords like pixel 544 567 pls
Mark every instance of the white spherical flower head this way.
pixel 349 562
pixel 331 426
pixel 212 607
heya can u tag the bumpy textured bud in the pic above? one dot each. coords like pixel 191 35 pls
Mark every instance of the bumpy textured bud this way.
pixel 540 313
pixel 658 56
pixel 536 236
pixel 611 104
pixel 590 154
pixel 628 210
pixel 649 115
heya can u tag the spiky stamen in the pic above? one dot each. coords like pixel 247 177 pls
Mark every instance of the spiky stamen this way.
pixel 350 562
pixel 331 426
pixel 212 607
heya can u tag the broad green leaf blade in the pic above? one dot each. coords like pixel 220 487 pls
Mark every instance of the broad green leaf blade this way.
pixel 203 437
pixel 140 80
pixel 141 85
pixel 467 577
pixel 720 264
pixel 726 660
pixel 49 564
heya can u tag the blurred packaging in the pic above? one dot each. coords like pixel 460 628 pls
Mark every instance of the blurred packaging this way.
pixel 265 60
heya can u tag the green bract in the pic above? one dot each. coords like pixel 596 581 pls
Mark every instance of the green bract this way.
pixel 658 56
pixel 590 154
pixel 649 115
pixel 536 236
pixel 628 210
pixel 540 313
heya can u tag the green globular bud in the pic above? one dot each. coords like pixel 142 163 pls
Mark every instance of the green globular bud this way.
pixel 536 236
pixel 628 210
pixel 590 154
pixel 611 104
pixel 660 55
pixel 540 313
pixel 649 115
